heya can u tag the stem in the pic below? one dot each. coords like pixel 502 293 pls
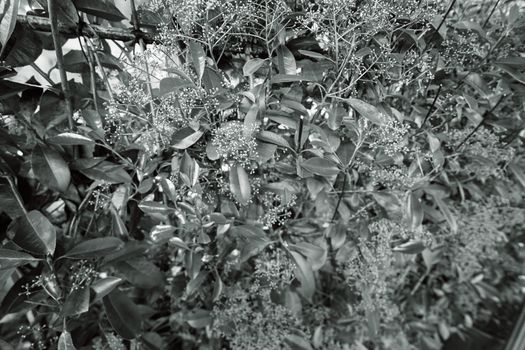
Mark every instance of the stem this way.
pixel 490 14
pixel 42 73
pixel 60 61
pixel 341 195
pixel 431 106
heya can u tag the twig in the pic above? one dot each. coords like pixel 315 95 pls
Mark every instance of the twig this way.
pixel 42 73
pixel 71 31
pixel 431 106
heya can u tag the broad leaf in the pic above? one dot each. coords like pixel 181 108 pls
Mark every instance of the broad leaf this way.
pixel 77 302
pixel 198 58
pixel 100 8
pixel 185 138
pixel 252 66
pixel 168 85
pixel 69 138
pixel 240 185
pixel 304 274
pixel 94 248
pixel 142 273
pixel 122 314
pixel 286 61
pixel 366 110
pixel 104 286
pixel 11 258
pixel 8 12
pixel 271 137
pixel 65 342
pixel 50 168
pixel 320 166
pixel 251 240
pixel 34 233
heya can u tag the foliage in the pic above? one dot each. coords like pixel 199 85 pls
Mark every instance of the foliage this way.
pixel 267 174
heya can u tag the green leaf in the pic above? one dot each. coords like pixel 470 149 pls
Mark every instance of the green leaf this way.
pixel 314 254
pixel 77 302
pixel 287 78
pixel 271 137
pixel 104 286
pixel 286 61
pixel 151 207
pixel 366 110
pixel 189 170
pixel 50 168
pixel 185 138
pixel 94 248
pixel 251 240
pixel 320 166
pixel 295 342
pixel 410 247
pixel 265 151
pixel 240 184
pixel 451 219
pixel 414 210
pixel 34 233
pixel 142 273
pixel 198 58
pixel 122 314
pixel 304 274
pixel 10 204
pixel 11 258
pixel 65 11
pixel 100 8
pixel 199 318
pixel 107 172
pixel 70 138
pixel 313 54
pixel 26 48
pixel 518 174
pixel 8 12
pixel 168 85
pixel 251 66
pixel 65 342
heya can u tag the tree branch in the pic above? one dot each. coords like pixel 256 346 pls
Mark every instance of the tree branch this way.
pixel 71 31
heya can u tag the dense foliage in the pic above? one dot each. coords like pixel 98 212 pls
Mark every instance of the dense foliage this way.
pixel 266 174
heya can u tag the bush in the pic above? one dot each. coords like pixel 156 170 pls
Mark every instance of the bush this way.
pixel 266 174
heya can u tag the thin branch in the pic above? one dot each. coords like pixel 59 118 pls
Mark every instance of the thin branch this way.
pixel 71 31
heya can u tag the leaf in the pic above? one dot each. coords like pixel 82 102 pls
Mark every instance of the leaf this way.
pixel 287 78
pixel 313 54
pixel 296 342
pixel 151 207
pixel 199 318
pixel 518 174
pixel 8 12
pixel 26 49
pixel 100 8
pixel 65 342
pixel 185 137
pixel 265 151
pixel 104 286
pixel 451 219
pixel 11 258
pixel 94 248
pixel 366 110
pixel 34 233
pixel 251 66
pixel 122 314
pixel 304 274
pixel 250 120
pixel 414 210
pixel 50 168
pixel 69 138
pixel 251 240
pixel 198 58
pixel 286 61
pixel 189 170
pixel 410 247
pixel 10 204
pixel 271 137
pixel 142 273
pixel 107 172
pixel 65 11
pixel 314 254
pixel 168 85
pixel 240 184
pixel 77 302
pixel 320 166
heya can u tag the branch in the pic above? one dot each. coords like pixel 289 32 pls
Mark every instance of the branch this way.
pixel 71 31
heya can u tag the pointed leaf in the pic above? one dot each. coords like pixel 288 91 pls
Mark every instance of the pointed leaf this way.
pixel 168 85
pixel 8 12
pixel 100 8
pixel 286 61
pixel 50 168
pixel 104 286
pixel 77 302
pixel 12 258
pixel 240 185
pixel 95 248
pixel 65 342
pixel 366 110
pixel 142 273
pixel 320 166
pixel 185 137
pixel 122 314
pixel 198 58
pixel 304 274
pixel 69 138
pixel 252 66
pixel 414 210
pixel 34 233
pixel 271 137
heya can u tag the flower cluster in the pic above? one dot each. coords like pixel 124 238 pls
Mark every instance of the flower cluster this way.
pixel 482 154
pixel 235 143
pixel 276 208
pixel 248 322
pixel 273 270
pixel 390 137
